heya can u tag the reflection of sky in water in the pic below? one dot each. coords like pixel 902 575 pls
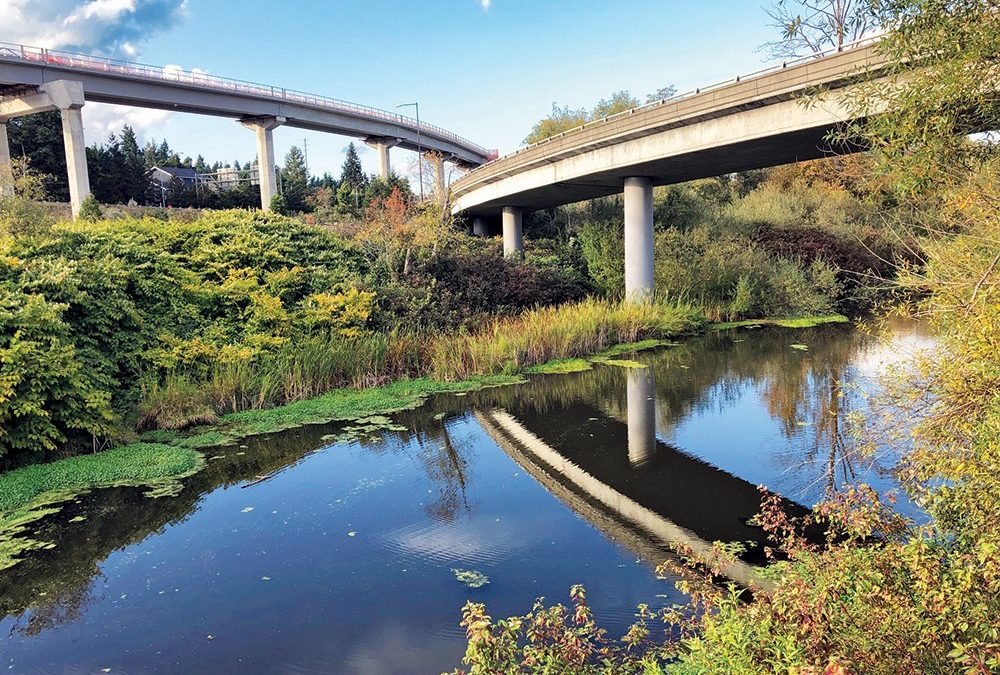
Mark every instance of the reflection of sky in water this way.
pixel 341 560
pixel 800 444
pixel 286 588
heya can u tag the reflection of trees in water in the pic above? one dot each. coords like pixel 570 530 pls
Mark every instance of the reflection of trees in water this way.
pixel 810 393
pixel 54 587
pixel 813 400
pixel 446 464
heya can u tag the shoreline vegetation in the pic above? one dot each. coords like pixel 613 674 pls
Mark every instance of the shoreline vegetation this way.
pixel 161 458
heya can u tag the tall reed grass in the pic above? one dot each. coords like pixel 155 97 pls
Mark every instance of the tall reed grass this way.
pixel 539 335
pixel 312 366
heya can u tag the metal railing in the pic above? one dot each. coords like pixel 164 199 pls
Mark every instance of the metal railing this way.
pixel 863 42
pixel 63 59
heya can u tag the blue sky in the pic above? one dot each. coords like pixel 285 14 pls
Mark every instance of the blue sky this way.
pixel 485 71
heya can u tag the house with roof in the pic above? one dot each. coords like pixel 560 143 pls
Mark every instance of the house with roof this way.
pixel 170 177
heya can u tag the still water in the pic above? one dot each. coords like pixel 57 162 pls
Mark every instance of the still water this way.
pixel 342 558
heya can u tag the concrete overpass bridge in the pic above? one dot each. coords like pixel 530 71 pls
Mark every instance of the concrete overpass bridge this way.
pixel 35 80
pixel 751 122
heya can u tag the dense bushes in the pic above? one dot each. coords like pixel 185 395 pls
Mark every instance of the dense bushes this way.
pixel 732 279
pixel 790 245
pixel 124 324
pixel 448 289
pixel 94 312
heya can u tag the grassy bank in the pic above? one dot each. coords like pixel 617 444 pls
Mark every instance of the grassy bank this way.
pixel 340 405
pixel 564 332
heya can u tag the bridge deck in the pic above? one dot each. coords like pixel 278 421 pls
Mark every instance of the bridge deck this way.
pixel 122 82
pixel 571 166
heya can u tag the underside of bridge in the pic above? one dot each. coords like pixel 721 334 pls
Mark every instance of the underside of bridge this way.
pixel 759 153
pixel 636 182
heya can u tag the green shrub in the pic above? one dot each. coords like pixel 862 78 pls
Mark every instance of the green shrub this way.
pixel 733 279
pixel 90 209
pixel 159 303
pixel 47 395
pixel 278 205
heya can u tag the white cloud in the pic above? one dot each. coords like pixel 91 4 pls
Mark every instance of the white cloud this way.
pixel 101 120
pixel 102 27
pixel 485 4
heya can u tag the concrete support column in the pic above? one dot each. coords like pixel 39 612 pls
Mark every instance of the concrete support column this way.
pixel 479 227
pixel 382 146
pixel 638 239
pixel 66 96
pixel 263 128
pixel 6 169
pixel 641 415
pixel 513 239
pixel 440 188
pixel 76 157
pixel 383 161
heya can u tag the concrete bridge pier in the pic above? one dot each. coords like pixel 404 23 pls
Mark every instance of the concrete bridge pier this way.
pixel 76 157
pixel 513 238
pixel 66 96
pixel 440 184
pixel 382 146
pixel 6 170
pixel 641 411
pixel 638 239
pixel 263 127
pixel 479 226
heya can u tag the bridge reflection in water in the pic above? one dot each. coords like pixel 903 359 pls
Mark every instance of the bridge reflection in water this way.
pixel 643 493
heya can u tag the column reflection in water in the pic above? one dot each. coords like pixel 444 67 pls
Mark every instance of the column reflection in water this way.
pixel 641 411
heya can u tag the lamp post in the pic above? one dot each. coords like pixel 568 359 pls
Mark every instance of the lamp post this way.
pixel 420 153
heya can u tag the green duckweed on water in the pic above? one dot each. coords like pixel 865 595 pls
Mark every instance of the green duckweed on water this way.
pixel 559 366
pixel 606 357
pixel 33 492
pixel 623 363
pixel 350 404
pixel 801 322
pixel 471 578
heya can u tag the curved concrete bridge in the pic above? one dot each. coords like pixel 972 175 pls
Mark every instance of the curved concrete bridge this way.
pixel 35 80
pixel 748 123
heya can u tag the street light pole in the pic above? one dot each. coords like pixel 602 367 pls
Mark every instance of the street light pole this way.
pixel 420 153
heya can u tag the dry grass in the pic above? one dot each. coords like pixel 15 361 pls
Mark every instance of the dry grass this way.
pixel 540 335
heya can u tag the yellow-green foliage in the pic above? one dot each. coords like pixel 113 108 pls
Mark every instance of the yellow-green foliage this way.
pixel 96 314
pixel 346 313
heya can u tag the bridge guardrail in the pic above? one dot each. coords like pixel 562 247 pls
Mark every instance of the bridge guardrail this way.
pixel 65 59
pixel 863 42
